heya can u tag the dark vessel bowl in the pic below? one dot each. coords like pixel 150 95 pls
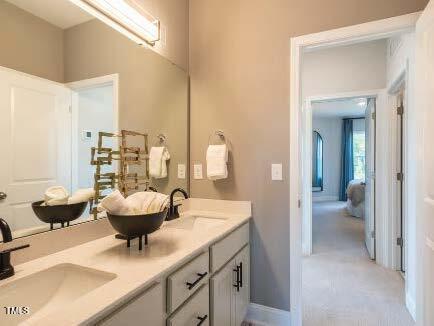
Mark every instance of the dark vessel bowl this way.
pixel 58 213
pixel 132 226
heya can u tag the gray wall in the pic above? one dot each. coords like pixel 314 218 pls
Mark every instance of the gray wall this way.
pixel 239 68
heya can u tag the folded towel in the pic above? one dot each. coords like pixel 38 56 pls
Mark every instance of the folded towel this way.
pixel 158 204
pixel 56 195
pixel 157 162
pixel 81 195
pixel 216 162
pixel 115 203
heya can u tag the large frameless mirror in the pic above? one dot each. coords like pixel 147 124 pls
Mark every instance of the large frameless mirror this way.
pixel 66 76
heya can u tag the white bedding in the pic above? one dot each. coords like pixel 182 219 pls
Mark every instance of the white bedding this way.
pixel 356 198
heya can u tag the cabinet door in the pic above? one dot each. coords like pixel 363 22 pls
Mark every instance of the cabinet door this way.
pixel 242 297
pixel 146 309
pixel 222 297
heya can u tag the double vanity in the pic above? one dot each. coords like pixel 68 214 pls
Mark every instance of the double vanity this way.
pixel 194 271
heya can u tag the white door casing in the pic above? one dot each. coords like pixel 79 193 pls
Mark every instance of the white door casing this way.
pixel 370 178
pixel 425 218
pixel 35 129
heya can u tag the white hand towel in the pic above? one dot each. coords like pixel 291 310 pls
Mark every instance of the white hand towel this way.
pixel 157 162
pixel 147 202
pixel 56 195
pixel 81 196
pixel 216 162
pixel 114 203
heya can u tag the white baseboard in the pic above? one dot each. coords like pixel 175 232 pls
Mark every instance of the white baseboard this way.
pixel 264 316
pixel 324 198
pixel 411 305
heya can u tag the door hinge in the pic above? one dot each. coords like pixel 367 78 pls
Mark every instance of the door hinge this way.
pixel 400 242
pixel 373 234
pixel 373 115
pixel 400 176
pixel 400 110
pixel 299 203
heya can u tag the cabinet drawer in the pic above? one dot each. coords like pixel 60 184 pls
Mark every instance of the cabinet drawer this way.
pixel 226 248
pixel 145 309
pixel 186 280
pixel 194 312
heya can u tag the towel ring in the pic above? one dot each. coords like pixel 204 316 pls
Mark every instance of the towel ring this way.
pixel 220 134
pixel 161 140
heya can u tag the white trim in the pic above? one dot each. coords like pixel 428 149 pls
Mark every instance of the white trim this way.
pixel 411 306
pixel 263 315
pixel 357 33
pixel 76 86
pixel 324 198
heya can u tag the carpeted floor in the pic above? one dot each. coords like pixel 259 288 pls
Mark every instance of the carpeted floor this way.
pixel 341 285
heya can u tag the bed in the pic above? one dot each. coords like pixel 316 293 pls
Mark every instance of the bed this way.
pixel 356 198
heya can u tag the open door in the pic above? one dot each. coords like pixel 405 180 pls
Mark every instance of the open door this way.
pixel 370 177
pixel 425 105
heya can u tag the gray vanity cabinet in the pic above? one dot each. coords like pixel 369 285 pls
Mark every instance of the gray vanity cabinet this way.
pixel 230 291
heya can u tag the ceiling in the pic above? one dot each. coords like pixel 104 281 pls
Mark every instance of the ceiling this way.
pixel 61 13
pixel 343 108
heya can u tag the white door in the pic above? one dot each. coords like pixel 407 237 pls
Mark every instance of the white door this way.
pixel 370 178
pixel 35 142
pixel 425 104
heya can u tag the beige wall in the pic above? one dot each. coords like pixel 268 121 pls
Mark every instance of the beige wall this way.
pixel 173 16
pixel 239 67
pixel 357 67
pixel 153 92
pixel 30 44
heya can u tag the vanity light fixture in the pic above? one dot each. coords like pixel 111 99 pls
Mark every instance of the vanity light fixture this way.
pixel 126 16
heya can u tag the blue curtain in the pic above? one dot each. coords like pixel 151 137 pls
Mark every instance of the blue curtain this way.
pixel 347 165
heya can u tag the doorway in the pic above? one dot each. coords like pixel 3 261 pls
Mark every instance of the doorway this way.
pixel 354 34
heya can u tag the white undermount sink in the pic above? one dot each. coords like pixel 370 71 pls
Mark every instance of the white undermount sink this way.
pixel 50 289
pixel 196 222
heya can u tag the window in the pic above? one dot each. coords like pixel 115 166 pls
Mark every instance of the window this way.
pixel 359 154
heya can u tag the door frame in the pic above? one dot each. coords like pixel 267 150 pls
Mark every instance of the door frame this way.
pixel 306 159
pixel 379 29
pixel 112 80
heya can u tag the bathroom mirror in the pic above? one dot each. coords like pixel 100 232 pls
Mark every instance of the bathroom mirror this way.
pixel 317 162
pixel 65 76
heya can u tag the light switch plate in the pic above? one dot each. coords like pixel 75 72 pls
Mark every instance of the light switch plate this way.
pixel 197 171
pixel 181 171
pixel 276 172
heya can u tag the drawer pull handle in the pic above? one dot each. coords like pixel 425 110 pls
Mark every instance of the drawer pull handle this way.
pixel 237 284
pixel 202 319
pixel 201 276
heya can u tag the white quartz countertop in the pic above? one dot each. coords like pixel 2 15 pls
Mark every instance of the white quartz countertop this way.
pixel 135 270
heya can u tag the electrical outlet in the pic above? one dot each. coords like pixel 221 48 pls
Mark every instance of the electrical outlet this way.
pixel 197 171
pixel 181 171
pixel 276 172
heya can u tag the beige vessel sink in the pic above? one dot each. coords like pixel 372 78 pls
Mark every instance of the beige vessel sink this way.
pixel 196 222
pixel 49 290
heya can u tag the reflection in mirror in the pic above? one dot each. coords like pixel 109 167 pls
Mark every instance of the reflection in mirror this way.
pixel 317 162
pixel 66 76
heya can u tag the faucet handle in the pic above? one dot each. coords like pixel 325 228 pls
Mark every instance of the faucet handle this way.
pixel 14 249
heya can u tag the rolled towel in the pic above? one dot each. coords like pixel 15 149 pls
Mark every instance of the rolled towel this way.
pixel 147 202
pixel 216 162
pixel 56 195
pixel 115 203
pixel 81 196
pixel 157 162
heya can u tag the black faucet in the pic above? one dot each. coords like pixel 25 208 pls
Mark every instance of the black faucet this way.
pixel 6 269
pixel 173 209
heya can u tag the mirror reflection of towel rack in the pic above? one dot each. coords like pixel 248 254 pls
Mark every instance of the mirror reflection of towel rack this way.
pixel 161 140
